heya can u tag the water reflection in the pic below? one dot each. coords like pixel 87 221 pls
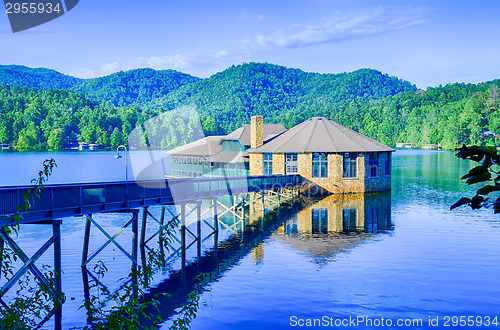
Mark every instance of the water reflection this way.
pixel 336 223
pixel 368 213
pixel 319 229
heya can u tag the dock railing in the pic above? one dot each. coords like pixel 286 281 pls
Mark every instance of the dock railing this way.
pixel 65 200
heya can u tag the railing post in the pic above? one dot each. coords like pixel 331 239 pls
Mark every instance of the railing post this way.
pixel 56 232
pixel 2 245
pixel 135 225
pixel 183 241
pixel 86 239
pixel 143 224
pixel 198 233
pixel 216 222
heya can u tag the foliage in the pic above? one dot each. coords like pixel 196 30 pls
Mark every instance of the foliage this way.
pixel 137 86
pixel 123 309
pixel 39 78
pixel 127 305
pixel 55 119
pixel 126 308
pixel 32 304
pixel 384 108
pixel 488 157
pixel 38 184
pixel 189 309
pixel 232 96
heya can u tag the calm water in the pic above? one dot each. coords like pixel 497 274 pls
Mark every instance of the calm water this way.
pixel 398 256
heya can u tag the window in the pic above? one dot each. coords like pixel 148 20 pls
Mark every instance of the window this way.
pixel 349 220
pixel 319 221
pixel 291 164
pixel 350 167
pixel 320 165
pixel 372 221
pixel 268 164
pixel 388 163
pixel 373 164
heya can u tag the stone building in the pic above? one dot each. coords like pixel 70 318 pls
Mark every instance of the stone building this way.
pixel 329 155
pixel 219 155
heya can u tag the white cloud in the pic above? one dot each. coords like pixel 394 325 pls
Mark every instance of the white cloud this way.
pixel 189 63
pixel 341 26
pixel 246 17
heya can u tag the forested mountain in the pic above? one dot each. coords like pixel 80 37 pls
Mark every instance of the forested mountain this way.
pixel 382 107
pixel 39 78
pixel 449 115
pixel 121 89
pixel 53 119
pixel 135 86
pixel 232 96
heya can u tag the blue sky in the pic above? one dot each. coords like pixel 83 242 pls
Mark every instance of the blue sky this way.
pixel 425 42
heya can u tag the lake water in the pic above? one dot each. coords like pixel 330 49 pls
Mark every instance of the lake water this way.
pixel 402 257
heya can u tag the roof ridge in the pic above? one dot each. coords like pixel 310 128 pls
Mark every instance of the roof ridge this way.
pixel 364 137
pixel 312 133
pixel 288 130
pixel 343 129
pixel 329 135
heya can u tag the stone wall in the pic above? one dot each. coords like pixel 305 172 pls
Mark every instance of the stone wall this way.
pixel 256 164
pixel 382 182
pixel 256 131
pixel 278 164
pixel 335 204
pixel 335 182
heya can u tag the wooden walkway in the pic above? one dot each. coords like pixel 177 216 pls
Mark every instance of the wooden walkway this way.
pixel 66 200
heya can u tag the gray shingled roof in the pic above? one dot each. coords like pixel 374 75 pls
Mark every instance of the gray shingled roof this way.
pixel 320 134
pixel 228 157
pixel 206 146
pixel 243 133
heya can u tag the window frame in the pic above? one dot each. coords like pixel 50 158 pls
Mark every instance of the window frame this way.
pixel 373 165
pixel 320 165
pixel 267 166
pixel 291 163
pixel 388 163
pixel 350 161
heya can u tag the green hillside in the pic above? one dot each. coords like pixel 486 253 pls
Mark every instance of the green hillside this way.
pixel 39 78
pixel 135 86
pixel 232 96
pixel 380 106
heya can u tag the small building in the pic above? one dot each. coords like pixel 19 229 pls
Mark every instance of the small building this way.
pixel 330 156
pixel 5 146
pixel 83 146
pixel 219 155
pixel 191 160
pixel 406 145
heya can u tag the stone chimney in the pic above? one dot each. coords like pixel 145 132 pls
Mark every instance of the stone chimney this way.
pixel 256 131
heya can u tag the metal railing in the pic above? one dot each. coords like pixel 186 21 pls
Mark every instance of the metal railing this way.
pixel 65 200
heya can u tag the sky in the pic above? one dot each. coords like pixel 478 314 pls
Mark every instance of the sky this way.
pixel 428 43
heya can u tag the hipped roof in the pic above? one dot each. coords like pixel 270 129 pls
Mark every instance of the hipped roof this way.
pixel 243 133
pixel 206 146
pixel 320 134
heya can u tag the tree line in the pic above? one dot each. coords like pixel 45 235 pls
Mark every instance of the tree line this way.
pixel 382 107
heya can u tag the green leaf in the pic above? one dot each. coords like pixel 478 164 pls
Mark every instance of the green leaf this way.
pixel 489 150
pixel 475 171
pixel 487 189
pixel 477 201
pixel 479 178
pixel 460 202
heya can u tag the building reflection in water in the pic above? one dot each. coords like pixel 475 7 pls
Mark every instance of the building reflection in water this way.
pixel 336 223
